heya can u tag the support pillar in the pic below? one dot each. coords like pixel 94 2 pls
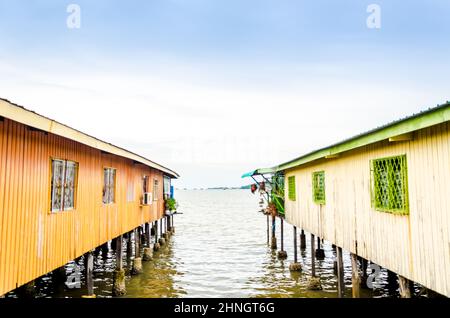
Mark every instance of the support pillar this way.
pixel 172 226
pixel 405 288
pixel 273 244
pixel 89 274
pixel 119 288
pixel 364 275
pixel 129 245
pixel 356 277
pixel 302 240
pixel 392 282
pixel 105 250
pixel 314 281
pixel 296 266
pixel 282 254
pixel 157 246
pixel 320 253
pixel 340 273
pixel 137 262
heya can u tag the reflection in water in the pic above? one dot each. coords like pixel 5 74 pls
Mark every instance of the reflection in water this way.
pixel 219 250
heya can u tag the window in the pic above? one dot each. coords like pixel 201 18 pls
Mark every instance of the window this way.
pixel 63 185
pixel 155 189
pixel 291 189
pixel 319 187
pixel 166 185
pixel 109 185
pixel 390 185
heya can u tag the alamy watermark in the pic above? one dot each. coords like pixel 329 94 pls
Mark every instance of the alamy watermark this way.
pixel 74 279
pixel 74 19
pixel 375 272
pixel 374 19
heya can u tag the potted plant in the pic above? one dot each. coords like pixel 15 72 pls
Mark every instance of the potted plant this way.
pixel 171 205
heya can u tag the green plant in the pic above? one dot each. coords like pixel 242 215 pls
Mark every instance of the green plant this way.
pixel 171 204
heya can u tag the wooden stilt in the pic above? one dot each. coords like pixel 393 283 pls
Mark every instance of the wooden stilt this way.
pixel 313 256
pixel 340 273
pixel 273 244
pixel 356 277
pixel 302 240
pixel 137 261
pixel 364 275
pixel 282 254
pixel 296 266
pixel 89 274
pixel 268 229
pixel 314 281
pixel 295 244
pixel 148 234
pixel 320 254
pixel 405 291
pixel 119 288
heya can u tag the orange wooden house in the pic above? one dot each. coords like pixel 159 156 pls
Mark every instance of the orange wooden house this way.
pixel 64 193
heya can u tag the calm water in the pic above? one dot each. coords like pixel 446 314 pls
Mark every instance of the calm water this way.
pixel 219 250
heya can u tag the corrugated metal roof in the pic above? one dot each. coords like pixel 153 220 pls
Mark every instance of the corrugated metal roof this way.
pixel 32 119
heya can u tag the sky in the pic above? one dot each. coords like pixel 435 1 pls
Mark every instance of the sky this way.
pixel 214 89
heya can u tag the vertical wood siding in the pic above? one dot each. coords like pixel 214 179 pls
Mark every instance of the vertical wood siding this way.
pixel 415 246
pixel 34 241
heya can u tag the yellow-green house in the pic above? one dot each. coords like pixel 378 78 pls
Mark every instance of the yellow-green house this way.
pixel 383 195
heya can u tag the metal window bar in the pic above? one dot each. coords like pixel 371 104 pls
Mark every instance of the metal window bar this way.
pixel 390 185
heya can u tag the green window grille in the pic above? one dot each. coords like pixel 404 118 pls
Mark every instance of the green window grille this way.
pixel 390 185
pixel 319 187
pixel 291 190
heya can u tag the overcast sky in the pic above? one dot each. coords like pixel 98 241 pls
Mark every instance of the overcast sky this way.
pixel 213 89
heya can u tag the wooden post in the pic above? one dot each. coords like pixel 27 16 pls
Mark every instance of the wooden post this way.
pixel 105 250
pixel 137 262
pixel 405 290
pixel 89 270
pixel 295 244
pixel 119 252
pixel 137 246
pixel 302 240
pixel 320 254
pixel 273 244
pixel 314 281
pixel 364 275
pixel 268 229
pixel 119 288
pixel 296 266
pixel 282 254
pixel 129 246
pixel 340 273
pixel 148 234
pixel 356 277
pixel 313 256
pixel 156 246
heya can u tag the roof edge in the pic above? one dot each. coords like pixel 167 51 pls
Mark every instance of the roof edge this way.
pixel 431 117
pixel 30 118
